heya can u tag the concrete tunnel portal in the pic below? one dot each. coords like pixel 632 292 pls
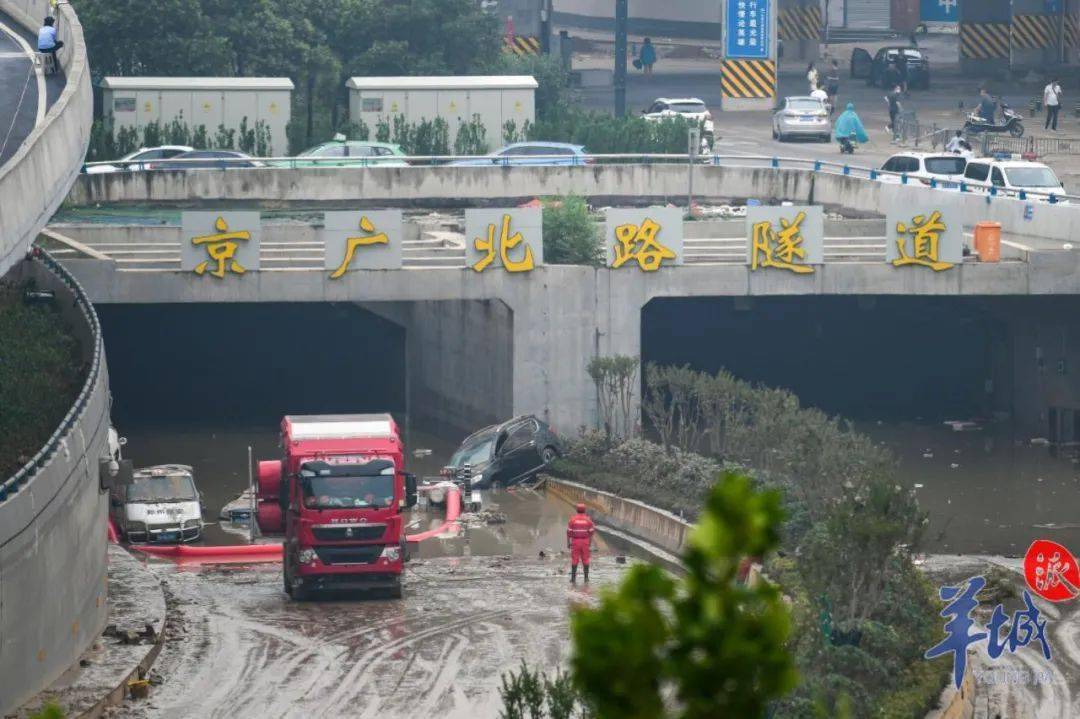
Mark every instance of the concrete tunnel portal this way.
pixel 443 367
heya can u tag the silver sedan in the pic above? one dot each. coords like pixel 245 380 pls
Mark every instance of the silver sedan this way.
pixel 802 117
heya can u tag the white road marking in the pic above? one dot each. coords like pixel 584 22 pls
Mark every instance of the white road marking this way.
pixel 29 53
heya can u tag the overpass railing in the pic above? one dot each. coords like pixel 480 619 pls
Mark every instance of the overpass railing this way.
pixel 15 482
pixel 689 161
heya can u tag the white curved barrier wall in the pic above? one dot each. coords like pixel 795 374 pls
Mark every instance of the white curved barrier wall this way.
pixel 35 180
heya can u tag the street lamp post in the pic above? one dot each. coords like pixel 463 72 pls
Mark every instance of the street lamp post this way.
pixel 620 57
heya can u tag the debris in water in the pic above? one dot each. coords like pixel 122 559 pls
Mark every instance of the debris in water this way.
pixel 928 455
pixel 1039 479
pixel 918 486
pixel 421 452
pixel 954 465
pixel 1040 441
pixel 620 559
pixel 963 425
pixel 542 554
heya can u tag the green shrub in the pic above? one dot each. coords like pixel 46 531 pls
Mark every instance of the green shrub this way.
pixel 571 236
pixel 40 375
pixel 51 710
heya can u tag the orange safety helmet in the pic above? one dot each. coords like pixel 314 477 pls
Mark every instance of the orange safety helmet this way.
pixel 580 508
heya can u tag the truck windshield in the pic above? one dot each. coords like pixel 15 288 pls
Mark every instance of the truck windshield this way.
pixel 341 492
pixel 475 452
pixel 162 489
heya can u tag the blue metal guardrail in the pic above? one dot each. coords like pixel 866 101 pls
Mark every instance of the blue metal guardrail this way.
pixel 18 480
pixel 715 159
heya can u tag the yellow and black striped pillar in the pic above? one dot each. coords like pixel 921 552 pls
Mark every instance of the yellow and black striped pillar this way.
pixel 984 40
pixel 1072 31
pixel 799 23
pixel 1034 32
pixel 521 44
pixel 748 79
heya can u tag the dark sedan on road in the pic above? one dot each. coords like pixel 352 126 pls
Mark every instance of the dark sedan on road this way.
pixel 504 454
pixel 206 160
pixel 873 70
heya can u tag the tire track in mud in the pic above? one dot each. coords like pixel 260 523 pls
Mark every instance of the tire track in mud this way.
pixel 251 652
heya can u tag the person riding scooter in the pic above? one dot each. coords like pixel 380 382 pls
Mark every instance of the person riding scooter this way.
pixel 849 130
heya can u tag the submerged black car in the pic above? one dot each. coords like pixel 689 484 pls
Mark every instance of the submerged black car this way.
pixel 504 454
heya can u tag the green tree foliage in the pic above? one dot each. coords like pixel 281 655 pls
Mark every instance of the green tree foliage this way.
pixel 531 694
pixel 571 236
pixel 40 375
pixel 715 645
pixel 615 378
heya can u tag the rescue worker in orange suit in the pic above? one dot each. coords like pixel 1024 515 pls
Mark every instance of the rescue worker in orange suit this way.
pixel 579 534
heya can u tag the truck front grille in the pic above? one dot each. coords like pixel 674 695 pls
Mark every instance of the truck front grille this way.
pixel 363 554
pixel 330 533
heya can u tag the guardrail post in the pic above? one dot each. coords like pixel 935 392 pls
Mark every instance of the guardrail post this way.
pixel 817 165
pixel 903 179
pixel 1053 199
pixel 847 170
pixel 776 162
pixel 873 174
pixel 963 187
pixel 933 183
pixel 1023 195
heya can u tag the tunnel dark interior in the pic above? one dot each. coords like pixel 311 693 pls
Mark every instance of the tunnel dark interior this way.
pixel 250 363
pixel 894 358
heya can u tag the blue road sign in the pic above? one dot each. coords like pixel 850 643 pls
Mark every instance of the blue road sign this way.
pixel 940 10
pixel 748 26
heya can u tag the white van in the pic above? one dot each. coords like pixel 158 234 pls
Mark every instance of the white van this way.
pixel 1012 176
pixel 160 505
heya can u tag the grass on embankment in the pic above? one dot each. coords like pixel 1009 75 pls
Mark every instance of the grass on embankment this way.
pixel 40 375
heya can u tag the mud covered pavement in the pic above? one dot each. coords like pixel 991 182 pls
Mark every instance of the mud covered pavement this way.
pixel 238 647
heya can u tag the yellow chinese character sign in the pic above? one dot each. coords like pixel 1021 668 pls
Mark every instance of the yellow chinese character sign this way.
pixel 924 238
pixel 219 244
pixel 785 238
pixel 647 238
pixel 511 239
pixel 361 240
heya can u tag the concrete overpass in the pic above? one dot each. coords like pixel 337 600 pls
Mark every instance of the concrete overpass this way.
pixel 547 324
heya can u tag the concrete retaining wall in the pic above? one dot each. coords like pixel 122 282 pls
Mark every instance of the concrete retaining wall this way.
pixel 36 179
pixel 663 529
pixel 451 186
pixel 52 530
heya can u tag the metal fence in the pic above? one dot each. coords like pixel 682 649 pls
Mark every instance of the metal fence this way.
pixel 16 481
pixel 1038 146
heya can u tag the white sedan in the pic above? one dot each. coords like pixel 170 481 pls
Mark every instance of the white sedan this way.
pixel 802 117
pixel 143 154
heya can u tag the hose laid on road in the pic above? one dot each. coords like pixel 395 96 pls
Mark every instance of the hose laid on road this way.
pixel 111 532
pixel 272 552
pixel 450 526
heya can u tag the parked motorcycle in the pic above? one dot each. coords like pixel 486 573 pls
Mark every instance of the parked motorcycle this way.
pixel 847 144
pixel 1013 123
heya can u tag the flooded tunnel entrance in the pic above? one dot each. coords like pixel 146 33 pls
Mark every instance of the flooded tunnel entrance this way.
pixel 897 358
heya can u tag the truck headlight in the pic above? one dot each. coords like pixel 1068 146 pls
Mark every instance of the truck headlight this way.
pixel 476 478
pixel 391 554
pixel 305 555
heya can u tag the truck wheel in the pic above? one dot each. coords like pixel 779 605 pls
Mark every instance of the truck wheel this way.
pixel 285 581
pixel 549 454
pixel 300 594
pixel 396 591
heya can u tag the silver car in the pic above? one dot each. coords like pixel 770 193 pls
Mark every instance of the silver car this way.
pixel 802 117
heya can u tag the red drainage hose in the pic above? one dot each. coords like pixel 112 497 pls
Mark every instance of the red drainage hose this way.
pixel 453 511
pixel 272 552
pixel 111 532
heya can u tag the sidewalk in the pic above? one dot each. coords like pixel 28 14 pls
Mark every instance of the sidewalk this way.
pixel 136 601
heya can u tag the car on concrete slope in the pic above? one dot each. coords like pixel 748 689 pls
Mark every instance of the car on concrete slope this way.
pixel 160 504
pixel 350 153
pixel 944 169
pixel 691 108
pixel 802 117
pixel 504 454
pixel 137 160
pixel 531 153
pixel 1012 176
pixel 207 160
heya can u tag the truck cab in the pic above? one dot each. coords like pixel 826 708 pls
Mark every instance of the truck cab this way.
pixel 337 494
pixel 160 504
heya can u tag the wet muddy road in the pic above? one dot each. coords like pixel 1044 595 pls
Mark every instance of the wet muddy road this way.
pixel 474 606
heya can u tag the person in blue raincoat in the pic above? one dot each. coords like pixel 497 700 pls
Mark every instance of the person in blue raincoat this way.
pixel 849 129
pixel 647 56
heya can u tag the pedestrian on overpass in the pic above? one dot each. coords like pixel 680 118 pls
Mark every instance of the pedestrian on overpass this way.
pixel 1052 100
pixel 47 41
pixel 579 532
pixel 893 98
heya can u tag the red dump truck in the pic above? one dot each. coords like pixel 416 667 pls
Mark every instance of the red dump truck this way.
pixel 337 494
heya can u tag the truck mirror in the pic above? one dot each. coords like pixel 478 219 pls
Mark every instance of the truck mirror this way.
pixel 410 490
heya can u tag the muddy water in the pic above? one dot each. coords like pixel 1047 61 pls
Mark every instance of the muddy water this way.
pixel 475 606
pixel 985 491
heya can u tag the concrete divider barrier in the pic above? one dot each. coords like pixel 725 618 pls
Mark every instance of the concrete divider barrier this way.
pixel 52 522
pixel 655 526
